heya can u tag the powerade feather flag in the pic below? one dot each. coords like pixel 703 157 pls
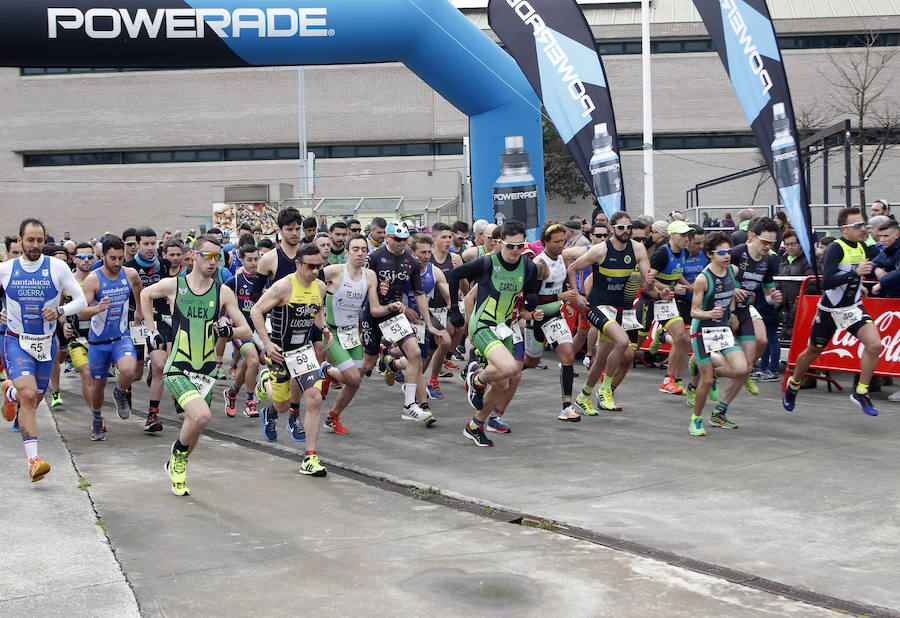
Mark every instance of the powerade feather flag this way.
pixel 553 45
pixel 744 36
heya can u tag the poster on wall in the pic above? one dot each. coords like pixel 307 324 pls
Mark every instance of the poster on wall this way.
pixel 228 217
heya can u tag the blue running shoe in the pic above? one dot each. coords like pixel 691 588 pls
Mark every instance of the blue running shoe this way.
pixel 295 428
pixel 495 423
pixel 15 425
pixel 269 418
pixel 864 403
pixel 434 389
pixel 789 399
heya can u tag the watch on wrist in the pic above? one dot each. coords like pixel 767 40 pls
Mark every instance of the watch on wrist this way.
pixel 60 311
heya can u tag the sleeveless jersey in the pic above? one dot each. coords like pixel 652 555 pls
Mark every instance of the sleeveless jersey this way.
pixel 194 322
pixel 497 295
pixel 846 294
pixel 718 294
pixel 241 284
pixel 437 301
pixel 150 275
pixel 753 275
pixel 26 296
pixel 284 268
pixel 694 265
pixel 427 284
pixel 344 307
pixel 112 323
pixel 291 322
pixel 612 277
pixel 80 326
pixel 556 280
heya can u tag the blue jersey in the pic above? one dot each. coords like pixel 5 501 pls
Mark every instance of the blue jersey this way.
pixel 693 265
pixel 112 323
pixel 27 293
pixel 428 285
pixel 241 286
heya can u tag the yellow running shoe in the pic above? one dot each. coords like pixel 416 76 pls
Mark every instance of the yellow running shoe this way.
pixel 751 387
pixel 176 468
pixel 312 466
pixel 37 469
pixel 584 402
pixel 606 400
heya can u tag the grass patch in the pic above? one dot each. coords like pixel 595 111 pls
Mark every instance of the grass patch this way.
pixel 424 494
pixel 102 525
pixel 63 439
pixel 489 510
pixel 83 483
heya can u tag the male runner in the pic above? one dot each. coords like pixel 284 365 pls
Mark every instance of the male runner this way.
pixel 840 308
pixel 173 252
pixel 460 238
pixel 484 242
pixel 242 285
pixel 376 233
pixel 310 227
pixel 500 278
pixel 338 233
pixel 395 267
pixel 349 285
pixel 106 291
pixel 32 285
pixel 76 330
pixel 197 302
pixel 296 304
pixel 609 304
pixel 445 260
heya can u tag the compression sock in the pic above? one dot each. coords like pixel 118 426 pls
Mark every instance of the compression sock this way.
pixel 607 383
pixel 30 445
pixel 154 404
pixel 862 389
pixel 587 390
pixel 178 447
pixel 566 377
pixel 475 424
pixel 793 384
pixel 409 394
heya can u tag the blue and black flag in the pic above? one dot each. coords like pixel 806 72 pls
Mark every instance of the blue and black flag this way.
pixel 553 45
pixel 744 36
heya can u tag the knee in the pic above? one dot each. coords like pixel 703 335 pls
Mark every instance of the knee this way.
pixel 28 396
pixel 252 363
pixel 202 418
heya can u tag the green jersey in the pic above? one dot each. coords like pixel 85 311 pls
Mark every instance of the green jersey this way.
pixel 194 321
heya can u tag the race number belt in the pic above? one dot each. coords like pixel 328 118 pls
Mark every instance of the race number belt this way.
pixel 201 381
pixel 38 346
pixel 396 328
pixel 348 336
pixel 717 338
pixel 555 329
pixel 301 362
pixel 664 311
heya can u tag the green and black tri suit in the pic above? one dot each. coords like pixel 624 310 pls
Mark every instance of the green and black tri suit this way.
pixel 499 284
pixel 193 356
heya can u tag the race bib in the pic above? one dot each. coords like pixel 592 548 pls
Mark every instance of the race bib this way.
pixel 301 362
pixel 502 331
pixel 440 315
pixel 629 320
pixel 138 333
pixel 419 327
pixel 754 313
pixel 348 336
pixel 462 305
pixel 665 310
pixel 396 328
pixel 555 329
pixel 39 347
pixel 517 333
pixel 609 311
pixel 717 338
pixel 846 318
pixel 202 382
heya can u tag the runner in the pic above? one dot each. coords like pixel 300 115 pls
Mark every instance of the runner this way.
pixel 348 287
pixel 840 309
pixel 296 305
pixel 310 227
pixel 395 267
pixel 197 302
pixel 106 291
pixel 338 234
pixel 76 329
pixel 713 300
pixel 241 285
pixel 609 305
pixel 460 238
pixel 32 285
pixel 445 260
pixel 500 277
pixel 376 233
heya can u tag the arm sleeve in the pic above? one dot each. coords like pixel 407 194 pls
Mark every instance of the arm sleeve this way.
pixel 831 276
pixel 471 271
pixel 532 286
pixel 659 260
pixel 68 284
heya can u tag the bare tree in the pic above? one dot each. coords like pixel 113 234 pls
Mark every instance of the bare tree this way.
pixel 862 82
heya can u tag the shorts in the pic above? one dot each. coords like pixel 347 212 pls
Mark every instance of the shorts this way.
pixel 745 330
pixel 823 327
pixel 684 309
pixel 532 347
pixel 485 341
pixel 342 358
pixel 281 381
pixel 243 346
pixel 372 336
pixel 182 388
pixel 166 331
pixel 20 363
pixel 644 312
pixel 100 355
pixel 78 353
pixel 701 354
pixel 599 320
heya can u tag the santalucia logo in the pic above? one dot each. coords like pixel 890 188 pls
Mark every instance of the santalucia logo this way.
pixel 110 23
pixel 555 54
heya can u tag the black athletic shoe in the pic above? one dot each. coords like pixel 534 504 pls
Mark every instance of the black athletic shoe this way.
pixel 476 393
pixel 269 417
pixel 477 436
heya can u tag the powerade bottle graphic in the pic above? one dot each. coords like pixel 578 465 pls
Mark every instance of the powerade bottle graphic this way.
pixel 515 192
pixel 785 160
pixel 606 173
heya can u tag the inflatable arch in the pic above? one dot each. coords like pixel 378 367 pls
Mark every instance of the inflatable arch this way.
pixel 431 37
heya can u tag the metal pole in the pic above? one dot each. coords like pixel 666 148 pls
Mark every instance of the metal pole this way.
pixel 848 172
pixel 301 121
pixel 825 179
pixel 649 208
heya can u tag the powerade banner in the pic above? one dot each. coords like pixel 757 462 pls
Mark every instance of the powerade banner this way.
pixel 744 36
pixel 553 45
pixel 431 37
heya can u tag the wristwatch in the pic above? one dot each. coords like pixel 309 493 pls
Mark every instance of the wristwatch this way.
pixel 60 311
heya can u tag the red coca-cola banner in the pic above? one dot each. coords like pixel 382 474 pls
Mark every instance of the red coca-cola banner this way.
pixel 844 350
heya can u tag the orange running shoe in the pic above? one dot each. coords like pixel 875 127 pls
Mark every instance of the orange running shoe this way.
pixel 449 364
pixel 326 384
pixel 9 407
pixel 333 424
pixel 38 469
pixel 670 387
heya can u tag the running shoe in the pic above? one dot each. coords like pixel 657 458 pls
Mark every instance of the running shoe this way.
pixel 769 376
pixel 756 374
pixel 864 403
pixel 56 400
pixel 569 414
pixel 15 425
pixel 9 407
pixel 714 391
pixel 477 436
pixel 789 399
pixel 326 384
pixel 269 418
pixel 541 365
pixel 670 387
pixel 434 389
pixel 176 468
pixel 70 368
pixel 696 426
pixel 449 365
pixel 445 373
pixel 750 386
pixel 680 384
pixel 584 402
pixel 658 339
pixel 97 433
pixel 122 407
pixel 153 423
pixel 128 397
pixel 414 412
pixel 261 380
pixel 222 373
pixel 312 466
pixel 390 376
pixel 250 410
pixel 230 401
pixel 495 423
pixel 691 395
pixel 605 399
pixel 475 393
pixel 721 420
pixel 295 428
pixel 37 469
pixel 333 424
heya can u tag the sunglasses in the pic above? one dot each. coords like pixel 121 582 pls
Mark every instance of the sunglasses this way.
pixel 356 230
pixel 398 239
pixel 723 252
pixel 600 235
pixel 84 256
pixel 313 266
pixel 767 243
pixel 461 237
pixel 208 255
pixel 856 226
pixel 131 243
pixel 622 227
pixel 514 245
